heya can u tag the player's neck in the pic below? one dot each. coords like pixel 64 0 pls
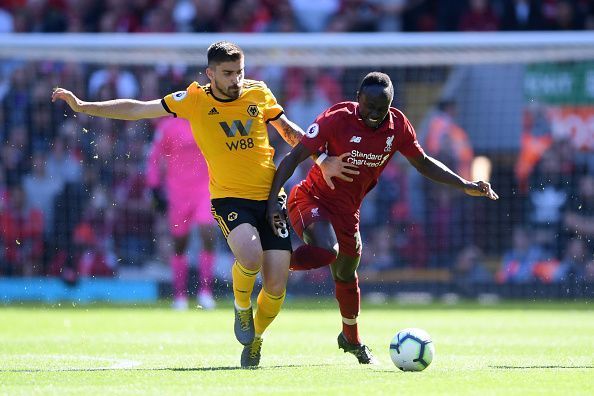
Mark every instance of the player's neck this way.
pixel 220 96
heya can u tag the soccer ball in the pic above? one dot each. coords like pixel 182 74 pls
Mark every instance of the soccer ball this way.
pixel 412 350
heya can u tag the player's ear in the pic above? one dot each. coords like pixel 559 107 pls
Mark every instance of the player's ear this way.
pixel 210 73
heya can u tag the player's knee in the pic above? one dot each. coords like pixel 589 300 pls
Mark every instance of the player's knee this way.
pixel 344 275
pixel 275 287
pixel 251 260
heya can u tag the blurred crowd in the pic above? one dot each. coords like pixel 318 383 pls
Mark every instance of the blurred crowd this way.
pixel 137 16
pixel 74 194
pixel 545 231
pixel 73 188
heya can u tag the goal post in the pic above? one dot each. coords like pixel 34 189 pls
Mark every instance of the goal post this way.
pixel 307 50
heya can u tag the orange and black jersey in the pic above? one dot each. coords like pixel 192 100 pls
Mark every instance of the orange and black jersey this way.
pixel 232 136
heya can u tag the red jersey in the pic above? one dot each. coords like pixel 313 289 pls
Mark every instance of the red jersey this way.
pixel 340 129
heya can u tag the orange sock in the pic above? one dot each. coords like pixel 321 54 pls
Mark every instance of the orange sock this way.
pixel 243 284
pixel 268 307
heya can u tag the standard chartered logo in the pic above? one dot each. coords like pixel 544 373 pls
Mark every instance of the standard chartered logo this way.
pixel 370 160
pixel 231 132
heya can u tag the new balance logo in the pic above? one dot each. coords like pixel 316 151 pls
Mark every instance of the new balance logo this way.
pixel 356 139
pixel 213 111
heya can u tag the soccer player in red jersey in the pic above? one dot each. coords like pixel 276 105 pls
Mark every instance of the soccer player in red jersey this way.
pixel 365 134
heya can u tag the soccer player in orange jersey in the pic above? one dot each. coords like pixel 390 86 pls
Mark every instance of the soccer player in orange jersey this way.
pixel 229 118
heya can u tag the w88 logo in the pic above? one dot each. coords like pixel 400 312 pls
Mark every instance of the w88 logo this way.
pixel 241 144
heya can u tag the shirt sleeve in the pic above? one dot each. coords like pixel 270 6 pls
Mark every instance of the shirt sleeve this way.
pixel 180 103
pixel 319 133
pixel 272 110
pixel 410 146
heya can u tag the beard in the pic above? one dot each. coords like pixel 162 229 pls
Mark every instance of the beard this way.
pixel 231 92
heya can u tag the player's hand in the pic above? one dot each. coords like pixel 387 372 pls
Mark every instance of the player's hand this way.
pixel 68 97
pixel 481 189
pixel 338 167
pixel 276 218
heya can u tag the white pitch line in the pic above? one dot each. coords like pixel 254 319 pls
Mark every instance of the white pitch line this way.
pixel 125 365
pixel 118 364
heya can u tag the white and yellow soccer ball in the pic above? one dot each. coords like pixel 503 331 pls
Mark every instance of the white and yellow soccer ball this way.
pixel 412 349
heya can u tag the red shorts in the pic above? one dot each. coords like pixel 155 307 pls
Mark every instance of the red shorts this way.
pixel 305 209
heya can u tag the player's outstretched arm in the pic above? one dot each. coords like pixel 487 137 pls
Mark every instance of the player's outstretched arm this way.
pixel 437 171
pixel 285 170
pixel 120 109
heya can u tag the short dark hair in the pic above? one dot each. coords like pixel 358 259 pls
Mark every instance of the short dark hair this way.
pixel 377 79
pixel 223 51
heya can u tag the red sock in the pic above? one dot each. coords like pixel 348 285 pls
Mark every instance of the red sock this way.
pixel 348 296
pixel 206 263
pixel 179 265
pixel 308 257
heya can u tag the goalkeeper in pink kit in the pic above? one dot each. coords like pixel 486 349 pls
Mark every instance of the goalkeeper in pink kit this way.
pixel 186 198
pixel 365 134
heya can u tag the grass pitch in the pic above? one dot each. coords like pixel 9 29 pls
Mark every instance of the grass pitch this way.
pixel 508 349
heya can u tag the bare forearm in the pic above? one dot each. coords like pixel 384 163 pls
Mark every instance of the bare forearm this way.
pixel 286 169
pixel 283 173
pixel 291 133
pixel 120 109
pixel 439 172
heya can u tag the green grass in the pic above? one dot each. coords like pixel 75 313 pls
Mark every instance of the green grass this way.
pixel 511 349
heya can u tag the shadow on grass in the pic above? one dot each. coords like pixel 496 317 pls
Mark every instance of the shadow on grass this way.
pixel 537 367
pixel 193 369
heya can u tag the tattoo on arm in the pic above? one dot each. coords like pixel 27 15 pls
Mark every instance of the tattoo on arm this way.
pixel 290 132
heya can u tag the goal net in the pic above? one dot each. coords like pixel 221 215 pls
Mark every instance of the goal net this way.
pixel 516 109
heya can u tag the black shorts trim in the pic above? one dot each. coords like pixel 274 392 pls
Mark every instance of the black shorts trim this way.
pixel 221 222
pixel 232 212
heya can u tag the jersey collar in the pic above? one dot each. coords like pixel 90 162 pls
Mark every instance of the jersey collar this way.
pixel 209 88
